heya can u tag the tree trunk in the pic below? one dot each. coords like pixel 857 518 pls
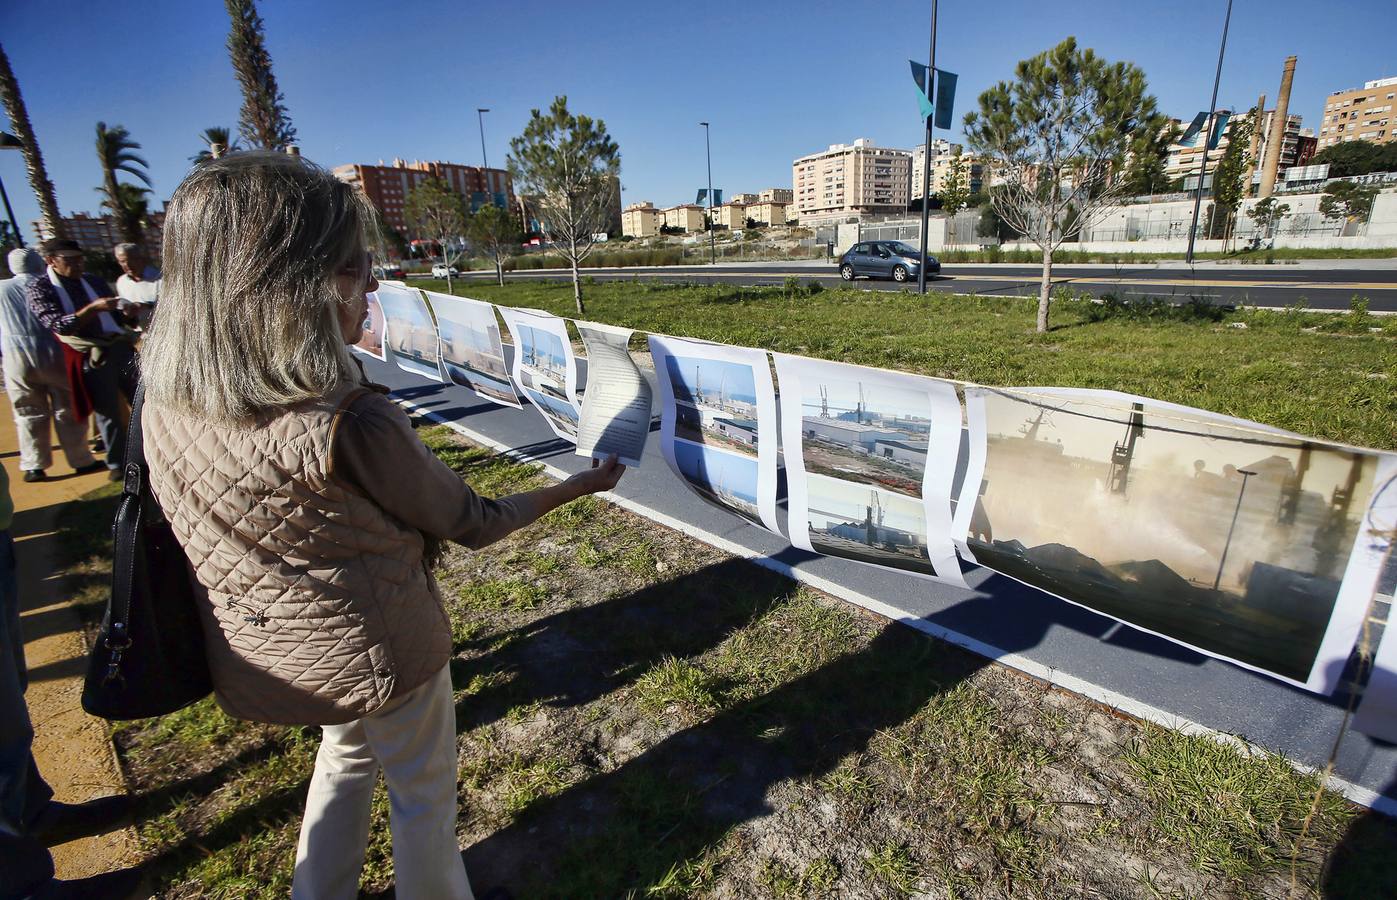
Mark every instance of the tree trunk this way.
pixel 576 284
pixel 33 159
pixel 1045 290
pixel 499 271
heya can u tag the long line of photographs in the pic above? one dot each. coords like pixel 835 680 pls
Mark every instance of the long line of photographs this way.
pixel 1237 540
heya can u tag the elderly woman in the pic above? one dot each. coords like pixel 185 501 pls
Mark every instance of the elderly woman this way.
pixel 307 507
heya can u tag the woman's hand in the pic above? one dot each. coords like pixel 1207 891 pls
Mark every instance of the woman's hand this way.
pixel 601 477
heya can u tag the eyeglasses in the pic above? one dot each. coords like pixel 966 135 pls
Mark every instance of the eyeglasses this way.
pixel 363 267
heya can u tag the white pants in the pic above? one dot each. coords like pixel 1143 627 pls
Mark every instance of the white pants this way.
pixel 414 741
pixel 40 395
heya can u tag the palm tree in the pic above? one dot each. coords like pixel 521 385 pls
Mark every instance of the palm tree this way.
pixel 33 159
pixel 217 136
pixel 114 146
pixel 132 213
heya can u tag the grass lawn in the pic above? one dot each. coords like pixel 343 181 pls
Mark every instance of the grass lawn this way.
pixel 642 716
pixel 1329 376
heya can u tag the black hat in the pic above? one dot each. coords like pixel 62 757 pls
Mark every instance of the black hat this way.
pixel 55 246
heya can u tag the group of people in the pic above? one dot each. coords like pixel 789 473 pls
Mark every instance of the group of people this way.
pixel 308 509
pixel 68 343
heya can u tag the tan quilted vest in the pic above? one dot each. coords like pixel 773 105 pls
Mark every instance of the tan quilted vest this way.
pixel 319 607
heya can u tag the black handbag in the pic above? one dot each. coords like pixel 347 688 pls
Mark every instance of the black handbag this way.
pixel 149 657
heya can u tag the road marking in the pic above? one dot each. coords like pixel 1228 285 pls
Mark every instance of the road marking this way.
pixel 1129 705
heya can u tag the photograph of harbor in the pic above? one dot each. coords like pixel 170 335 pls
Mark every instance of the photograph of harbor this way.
pixel 726 479
pixel 854 433
pixel 1226 538
pixel 867 524
pixel 542 361
pixel 412 335
pixel 371 342
pixel 715 403
pixel 561 416
pixel 471 351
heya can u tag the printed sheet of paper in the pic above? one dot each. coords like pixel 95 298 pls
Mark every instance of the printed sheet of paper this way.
pixel 371 343
pixel 616 405
pixel 471 353
pixel 870 459
pixel 1232 538
pixel 1377 711
pixel 718 428
pixel 411 335
pixel 544 367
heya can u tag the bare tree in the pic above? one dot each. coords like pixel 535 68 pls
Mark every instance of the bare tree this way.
pixel 1055 136
pixel 33 159
pixel 494 232
pixel 437 213
pixel 569 165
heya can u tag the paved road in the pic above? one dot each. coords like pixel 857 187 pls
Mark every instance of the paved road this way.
pixel 1253 285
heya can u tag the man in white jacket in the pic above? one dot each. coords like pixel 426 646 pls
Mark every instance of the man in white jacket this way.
pixel 35 378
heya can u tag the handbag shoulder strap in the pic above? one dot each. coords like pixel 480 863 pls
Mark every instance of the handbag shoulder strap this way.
pixel 130 517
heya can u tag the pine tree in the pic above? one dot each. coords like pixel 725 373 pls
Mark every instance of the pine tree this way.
pixel 263 121
pixel 33 159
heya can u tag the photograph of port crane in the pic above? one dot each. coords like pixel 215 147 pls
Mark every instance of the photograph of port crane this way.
pixel 371 342
pixel 412 335
pixel 867 524
pixel 727 479
pixel 847 434
pixel 544 368
pixel 715 403
pixel 1230 539
pixel 472 353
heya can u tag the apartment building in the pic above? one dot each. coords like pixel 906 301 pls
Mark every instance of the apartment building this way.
pixel 939 147
pixel 776 195
pixel 101 232
pixel 767 213
pixel 388 186
pixel 640 219
pixel 744 199
pixel 1183 160
pixel 730 215
pixel 852 179
pixel 1360 114
pixel 686 217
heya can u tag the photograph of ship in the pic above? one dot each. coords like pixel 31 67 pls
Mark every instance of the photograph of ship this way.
pixel 412 335
pixel 542 361
pixel 471 351
pixel 372 340
pixel 867 524
pixel 715 403
pixel 559 413
pixel 849 431
pixel 1229 539
pixel 727 479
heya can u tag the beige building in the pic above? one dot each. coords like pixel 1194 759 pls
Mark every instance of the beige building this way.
pixel 767 213
pixel 1183 162
pixel 852 179
pixel 776 195
pixel 1361 114
pixel 730 215
pixel 744 199
pixel 686 217
pixel 939 147
pixel 640 219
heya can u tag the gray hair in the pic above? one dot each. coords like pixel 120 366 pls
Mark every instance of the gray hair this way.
pixel 127 249
pixel 248 303
pixel 25 262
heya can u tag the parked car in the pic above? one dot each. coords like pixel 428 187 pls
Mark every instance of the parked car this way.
pixel 884 259
pixel 395 272
pixel 441 270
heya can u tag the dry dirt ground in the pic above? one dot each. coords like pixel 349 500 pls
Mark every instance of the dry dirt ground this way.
pixel 641 715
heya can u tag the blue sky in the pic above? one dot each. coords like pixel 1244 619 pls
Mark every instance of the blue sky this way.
pixel 366 80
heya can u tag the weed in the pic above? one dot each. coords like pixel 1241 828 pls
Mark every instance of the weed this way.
pixel 676 686
pixel 508 593
pixel 891 864
pixel 526 783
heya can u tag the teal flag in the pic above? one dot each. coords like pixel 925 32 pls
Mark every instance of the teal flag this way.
pixel 702 197
pixel 945 97
pixel 919 75
pixel 1219 124
pixel 1190 135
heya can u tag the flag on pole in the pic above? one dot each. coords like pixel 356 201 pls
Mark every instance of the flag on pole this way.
pixel 945 84
pixel 1219 124
pixel 1190 135
pixel 919 75
pixel 702 197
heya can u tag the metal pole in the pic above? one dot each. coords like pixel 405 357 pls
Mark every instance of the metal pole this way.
pixel 1222 562
pixel 11 214
pixel 1208 139
pixel 926 155
pixel 712 237
pixel 485 169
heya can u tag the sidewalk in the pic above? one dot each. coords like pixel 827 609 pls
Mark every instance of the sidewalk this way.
pixel 72 748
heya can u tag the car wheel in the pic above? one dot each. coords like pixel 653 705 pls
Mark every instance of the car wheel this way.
pixel 846 272
pixel 899 273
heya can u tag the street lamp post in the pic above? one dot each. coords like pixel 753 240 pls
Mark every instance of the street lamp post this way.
pixel 484 158
pixel 10 142
pixel 712 238
pixel 1208 139
pixel 1233 527
pixel 926 155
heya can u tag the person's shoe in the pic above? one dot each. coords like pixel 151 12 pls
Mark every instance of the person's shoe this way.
pixel 118 885
pixel 115 474
pixel 59 823
pixel 99 445
pixel 91 467
pixel 35 475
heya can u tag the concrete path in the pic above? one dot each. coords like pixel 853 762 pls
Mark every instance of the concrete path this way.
pixel 72 748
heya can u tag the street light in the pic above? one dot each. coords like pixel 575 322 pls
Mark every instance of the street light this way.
pixel 1207 140
pixel 712 245
pixel 1222 562
pixel 10 142
pixel 484 169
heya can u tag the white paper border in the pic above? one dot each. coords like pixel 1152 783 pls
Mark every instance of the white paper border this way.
pixel 544 321
pixel 410 295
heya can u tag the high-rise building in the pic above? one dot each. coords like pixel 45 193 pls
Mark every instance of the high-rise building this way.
pixel 1183 159
pixel 852 179
pixel 943 155
pixel 939 147
pixel 1360 114
pixel 388 186
pixel 101 232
